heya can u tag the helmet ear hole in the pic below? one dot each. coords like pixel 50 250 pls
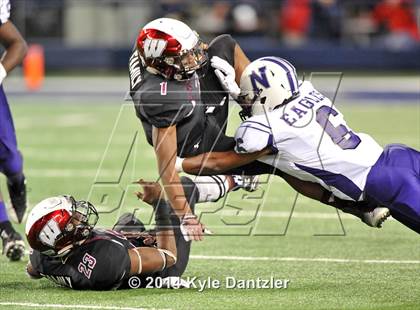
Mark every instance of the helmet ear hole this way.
pixel 69 227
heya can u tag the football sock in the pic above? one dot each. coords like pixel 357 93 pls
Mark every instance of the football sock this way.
pixel 3 213
pixel 212 188
pixel 16 181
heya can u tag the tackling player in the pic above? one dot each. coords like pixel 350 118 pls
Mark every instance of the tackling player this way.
pixel 10 158
pixel 296 129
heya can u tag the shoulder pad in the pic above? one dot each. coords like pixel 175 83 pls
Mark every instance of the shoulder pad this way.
pixel 253 136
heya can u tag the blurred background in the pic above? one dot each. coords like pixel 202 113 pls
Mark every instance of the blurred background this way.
pixel 314 34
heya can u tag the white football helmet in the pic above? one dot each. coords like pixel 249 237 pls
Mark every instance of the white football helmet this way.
pixel 56 224
pixel 169 47
pixel 267 83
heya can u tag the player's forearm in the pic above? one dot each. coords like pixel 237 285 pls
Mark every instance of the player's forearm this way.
pixel 241 62
pixel 175 193
pixel 219 162
pixel 14 56
pixel 166 240
pixel 207 163
pixel 164 142
pixel 15 45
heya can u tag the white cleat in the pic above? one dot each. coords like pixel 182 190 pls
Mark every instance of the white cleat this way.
pixel 376 217
pixel 248 183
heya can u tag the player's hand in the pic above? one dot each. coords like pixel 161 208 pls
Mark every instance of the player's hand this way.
pixel 145 236
pixel 226 75
pixel 191 228
pixel 152 191
pixel 32 273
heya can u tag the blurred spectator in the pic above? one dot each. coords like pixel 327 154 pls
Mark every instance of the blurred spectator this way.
pixel 244 19
pixel 326 20
pixel 177 9
pixel 213 19
pixel 357 25
pixel 396 21
pixel 294 21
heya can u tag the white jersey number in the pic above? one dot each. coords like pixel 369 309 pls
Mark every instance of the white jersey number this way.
pixel 340 135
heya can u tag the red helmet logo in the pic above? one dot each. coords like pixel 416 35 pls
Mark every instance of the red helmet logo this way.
pixel 153 43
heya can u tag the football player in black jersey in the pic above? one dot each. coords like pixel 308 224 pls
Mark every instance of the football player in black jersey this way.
pixel 179 89
pixel 69 251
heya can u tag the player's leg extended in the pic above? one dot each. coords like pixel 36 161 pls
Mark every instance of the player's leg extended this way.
pixel 11 163
pixel 394 181
pixel 13 245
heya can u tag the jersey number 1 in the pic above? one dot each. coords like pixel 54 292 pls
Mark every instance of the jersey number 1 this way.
pixel 340 135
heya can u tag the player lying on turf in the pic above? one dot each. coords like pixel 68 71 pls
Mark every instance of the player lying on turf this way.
pixel 69 251
pixel 179 87
pixel 293 127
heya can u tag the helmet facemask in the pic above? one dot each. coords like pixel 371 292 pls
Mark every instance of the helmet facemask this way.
pixel 79 227
pixel 83 220
pixel 188 62
pixel 246 100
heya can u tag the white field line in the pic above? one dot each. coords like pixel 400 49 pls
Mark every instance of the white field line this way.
pixel 61 306
pixel 304 259
pixel 68 173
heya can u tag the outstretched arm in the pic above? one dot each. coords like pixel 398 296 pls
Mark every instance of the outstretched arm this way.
pixel 165 144
pixel 15 45
pixel 219 162
pixel 148 260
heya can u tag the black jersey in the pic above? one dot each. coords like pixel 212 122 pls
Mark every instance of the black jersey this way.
pixel 198 106
pixel 101 263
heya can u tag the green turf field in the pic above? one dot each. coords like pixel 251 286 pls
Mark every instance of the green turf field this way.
pixel 329 264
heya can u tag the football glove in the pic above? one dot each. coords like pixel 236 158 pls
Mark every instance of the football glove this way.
pixel 226 75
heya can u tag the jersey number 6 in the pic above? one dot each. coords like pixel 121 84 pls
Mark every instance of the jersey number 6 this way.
pixel 340 135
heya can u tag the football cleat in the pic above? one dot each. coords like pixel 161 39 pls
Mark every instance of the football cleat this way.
pixel 13 245
pixel 375 217
pixel 17 194
pixel 248 183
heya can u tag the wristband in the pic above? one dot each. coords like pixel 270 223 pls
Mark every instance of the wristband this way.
pixel 178 164
pixel 3 73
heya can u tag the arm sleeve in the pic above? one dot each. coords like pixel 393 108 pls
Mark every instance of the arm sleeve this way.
pixel 252 137
pixel 224 47
pixel 4 11
pixel 46 265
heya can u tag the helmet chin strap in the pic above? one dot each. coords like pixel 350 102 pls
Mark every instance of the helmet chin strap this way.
pixel 64 251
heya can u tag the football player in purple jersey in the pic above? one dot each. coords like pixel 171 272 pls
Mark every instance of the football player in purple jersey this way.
pixel 11 164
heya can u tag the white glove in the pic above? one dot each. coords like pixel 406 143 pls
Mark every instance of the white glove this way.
pixel 178 164
pixel 226 75
pixel 191 228
pixel 3 73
